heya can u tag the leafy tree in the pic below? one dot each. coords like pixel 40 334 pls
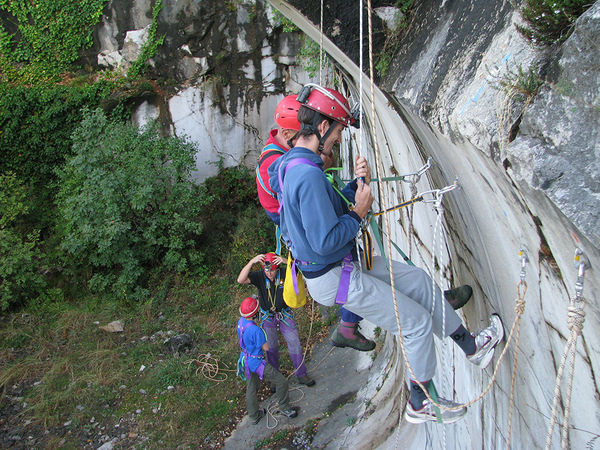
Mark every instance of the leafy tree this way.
pixel 20 278
pixel 127 205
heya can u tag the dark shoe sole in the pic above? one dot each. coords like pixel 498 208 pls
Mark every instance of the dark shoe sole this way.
pixel 335 344
pixel 458 303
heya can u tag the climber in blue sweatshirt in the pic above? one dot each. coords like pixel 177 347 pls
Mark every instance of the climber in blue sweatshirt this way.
pixel 320 231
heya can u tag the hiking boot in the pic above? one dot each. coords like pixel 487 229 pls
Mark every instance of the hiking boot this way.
pixel 427 412
pixel 290 412
pixel 261 414
pixel 485 342
pixel 308 381
pixel 458 297
pixel 357 342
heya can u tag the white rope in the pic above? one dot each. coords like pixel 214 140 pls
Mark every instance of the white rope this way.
pixel 576 317
pixel 321 49
pixel 360 80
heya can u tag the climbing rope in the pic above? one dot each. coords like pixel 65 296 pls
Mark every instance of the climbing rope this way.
pixel 576 317
pixel 208 367
pixel 321 49
pixel 519 310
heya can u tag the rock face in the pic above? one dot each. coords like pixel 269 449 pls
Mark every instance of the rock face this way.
pixel 557 150
pixel 528 173
pixel 224 67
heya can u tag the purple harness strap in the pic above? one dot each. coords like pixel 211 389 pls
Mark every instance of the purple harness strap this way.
pixel 261 369
pixel 342 292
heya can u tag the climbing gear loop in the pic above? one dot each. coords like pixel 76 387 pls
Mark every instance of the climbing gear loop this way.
pixel 414 177
pixel 437 195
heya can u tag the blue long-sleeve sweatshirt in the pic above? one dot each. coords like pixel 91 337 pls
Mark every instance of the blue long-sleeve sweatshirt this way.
pixel 314 218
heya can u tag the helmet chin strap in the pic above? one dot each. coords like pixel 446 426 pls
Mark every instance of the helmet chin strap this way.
pixel 314 128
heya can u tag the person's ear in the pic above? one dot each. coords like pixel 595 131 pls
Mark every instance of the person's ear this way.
pixel 323 127
pixel 287 134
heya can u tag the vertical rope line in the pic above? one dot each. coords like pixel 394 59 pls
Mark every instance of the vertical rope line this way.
pixel 321 49
pixel 360 80
pixel 565 427
pixel 575 319
pixel 519 309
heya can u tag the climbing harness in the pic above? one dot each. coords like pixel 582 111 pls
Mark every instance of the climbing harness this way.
pixel 576 318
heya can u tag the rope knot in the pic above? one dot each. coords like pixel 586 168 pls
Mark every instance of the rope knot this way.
pixel 519 306
pixel 576 317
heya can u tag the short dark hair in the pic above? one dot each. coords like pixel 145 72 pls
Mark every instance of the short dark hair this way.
pixel 306 117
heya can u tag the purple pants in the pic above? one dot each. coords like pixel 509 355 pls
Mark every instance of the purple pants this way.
pixel 287 326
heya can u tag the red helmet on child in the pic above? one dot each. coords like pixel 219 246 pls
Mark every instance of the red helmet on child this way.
pixel 269 262
pixel 286 113
pixel 249 307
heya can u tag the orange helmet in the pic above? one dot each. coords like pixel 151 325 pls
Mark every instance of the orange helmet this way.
pixel 249 307
pixel 269 262
pixel 286 113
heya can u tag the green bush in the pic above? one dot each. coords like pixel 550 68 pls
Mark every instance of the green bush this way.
pixel 254 234
pixel 20 279
pixel 36 124
pixel 550 21
pixel 127 205
pixel 228 194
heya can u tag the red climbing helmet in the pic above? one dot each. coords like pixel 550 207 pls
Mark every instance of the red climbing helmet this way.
pixel 286 113
pixel 328 102
pixel 249 307
pixel 269 262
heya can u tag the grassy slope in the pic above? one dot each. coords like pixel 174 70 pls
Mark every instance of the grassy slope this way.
pixel 81 383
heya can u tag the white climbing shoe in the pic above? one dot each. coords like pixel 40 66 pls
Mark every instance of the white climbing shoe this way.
pixel 485 342
pixel 427 412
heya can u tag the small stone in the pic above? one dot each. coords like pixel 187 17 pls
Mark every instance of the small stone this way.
pixel 79 408
pixel 143 391
pixel 67 423
pixel 170 388
pixel 138 411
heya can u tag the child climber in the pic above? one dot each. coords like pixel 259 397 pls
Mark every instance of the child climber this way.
pixel 253 365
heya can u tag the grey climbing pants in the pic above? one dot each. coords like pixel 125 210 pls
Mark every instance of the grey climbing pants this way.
pixel 281 395
pixel 370 296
